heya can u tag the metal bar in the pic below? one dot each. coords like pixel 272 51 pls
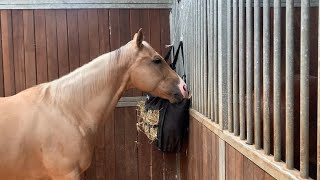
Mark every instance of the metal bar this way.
pixel 191 56
pixel 241 71
pixel 318 118
pixel 210 58
pixel 229 56
pixel 289 84
pixel 197 57
pixel 205 48
pixel 277 79
pixel 215 60
pixel 201 57
pixel 249 84
pixel 194 57
pixel 304 90
pixel 220 66
pixel 235 69
pixel 257 76
pixel 266 77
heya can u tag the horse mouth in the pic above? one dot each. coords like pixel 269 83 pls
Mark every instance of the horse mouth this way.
pixel 177 97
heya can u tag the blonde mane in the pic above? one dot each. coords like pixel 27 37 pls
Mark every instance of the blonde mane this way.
pixel 90 79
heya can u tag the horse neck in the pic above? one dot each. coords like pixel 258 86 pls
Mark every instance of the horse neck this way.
pixel 95 88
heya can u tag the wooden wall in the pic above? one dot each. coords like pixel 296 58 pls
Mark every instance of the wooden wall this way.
pixel 42 45
pixel 201 158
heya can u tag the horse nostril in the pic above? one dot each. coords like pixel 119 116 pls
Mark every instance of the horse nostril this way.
pixel 184 87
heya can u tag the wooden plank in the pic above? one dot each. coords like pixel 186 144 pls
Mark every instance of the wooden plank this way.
pixel 119 137
pixel 18 50
pixel 144 156
pixel 189 155
pixel 239 166
pixel 135 25
pixel 215 157
pixel 258 173
pixel 222 159
pixel 73 39
pixel 7 47
pixel 145 24
pixel 230 164
pixel 93 24
pixel 114 29
pixel 41 46
pixel 84 49
pixel 131 151
pixel 109 131
pixel 62 35
pixel 87 6
pixel 165 30
pixel 200 150
pixel 209 171
pixel 196 150
pixel 104 32
pixel 204 153
pixel 1 67
pixel 124 18
pixel 29 48
pixel 248 169
pixel 16 2
pixel 52 51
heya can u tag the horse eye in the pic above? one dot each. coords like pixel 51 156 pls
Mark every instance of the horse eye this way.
pixel 157 61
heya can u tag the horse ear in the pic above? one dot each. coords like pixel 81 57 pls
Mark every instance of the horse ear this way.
pixel 138 37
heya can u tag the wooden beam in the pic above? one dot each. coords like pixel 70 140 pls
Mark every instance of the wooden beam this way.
pixel 85 4
pixel 130 101
pixel 277 169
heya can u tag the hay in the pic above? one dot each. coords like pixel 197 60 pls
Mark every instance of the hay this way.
pixel 147 121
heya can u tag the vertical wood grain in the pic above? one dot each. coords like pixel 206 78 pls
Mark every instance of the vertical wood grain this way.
pixel 18 50
pixel 62 37
pixel 41 46
pixel 29 48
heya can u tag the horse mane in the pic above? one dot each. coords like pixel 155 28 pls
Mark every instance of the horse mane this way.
pixel 89 79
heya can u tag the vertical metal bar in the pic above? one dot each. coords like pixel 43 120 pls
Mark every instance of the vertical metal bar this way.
pixel 192 53
pixel 304 90
pixel 229 56
pixel 257 76
pixel 201 56
pixel 206 57
pixel 210 58
pixel 249 72
pixel 241 72
pixel 215 60
pixel 197 58
pixel 289 84
pixel 277 79
pixel 318 118
pixel 220 69
pixel 235 69
pixel 266 76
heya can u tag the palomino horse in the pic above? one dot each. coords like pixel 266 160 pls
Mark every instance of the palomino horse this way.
pixel 47 131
